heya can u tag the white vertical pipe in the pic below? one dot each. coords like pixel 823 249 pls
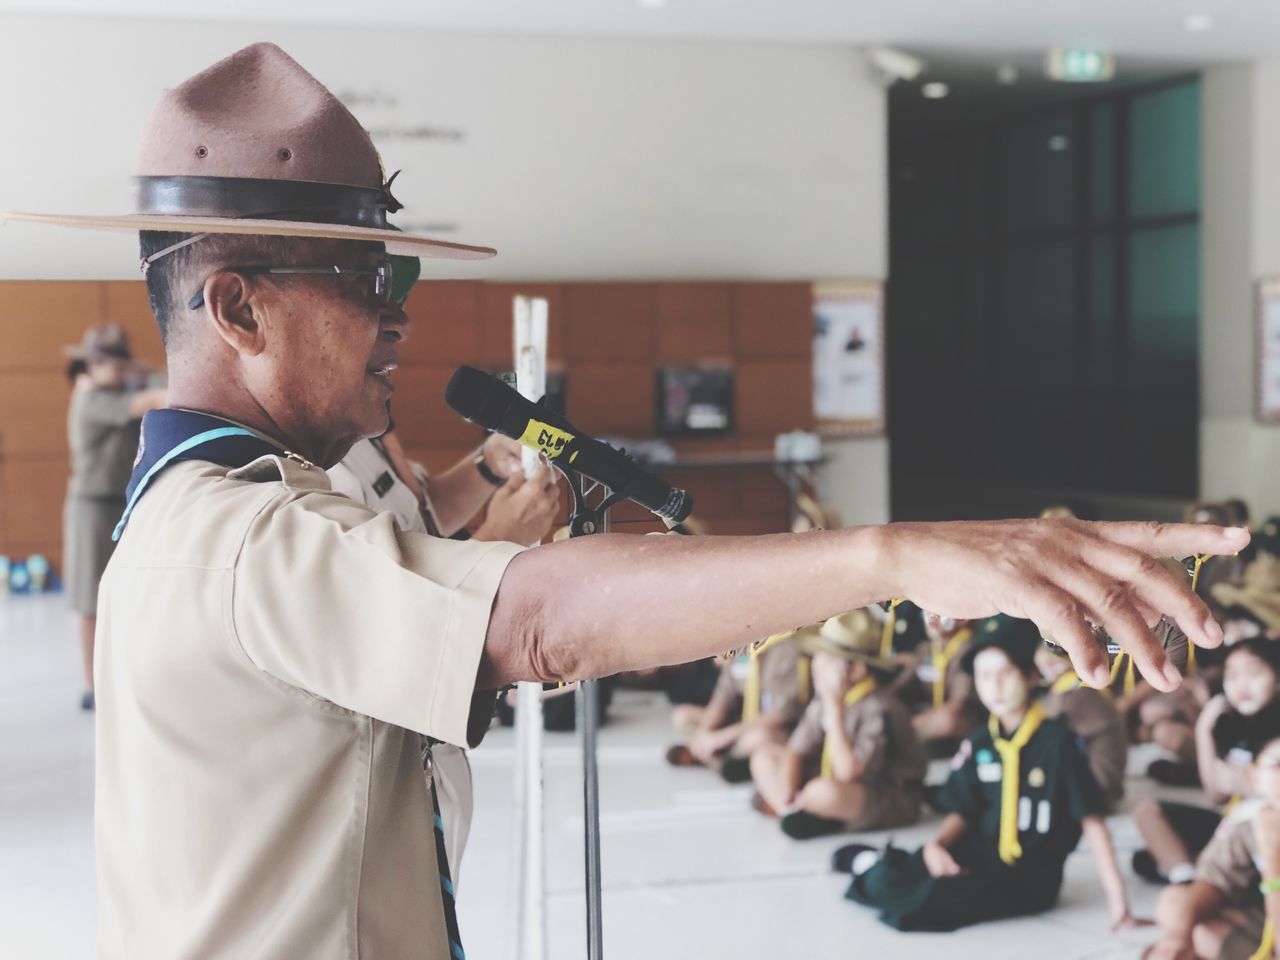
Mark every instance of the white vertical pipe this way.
pixel 530 940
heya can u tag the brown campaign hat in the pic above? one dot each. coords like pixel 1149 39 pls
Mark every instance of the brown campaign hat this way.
pixel 1258 591
pixel 256 145
pixel 101 342
pixel 852 636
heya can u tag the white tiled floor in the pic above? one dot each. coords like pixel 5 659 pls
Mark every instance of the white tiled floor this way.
pixel 690 870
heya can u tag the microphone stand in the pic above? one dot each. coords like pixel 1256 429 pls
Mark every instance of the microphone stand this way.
pixel 587 520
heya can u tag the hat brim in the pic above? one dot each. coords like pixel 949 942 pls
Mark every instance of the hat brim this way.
pixel 405 244
pixel 812 643
pixel 1267 613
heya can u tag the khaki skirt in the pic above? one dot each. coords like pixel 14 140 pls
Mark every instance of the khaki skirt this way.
pixel 87 525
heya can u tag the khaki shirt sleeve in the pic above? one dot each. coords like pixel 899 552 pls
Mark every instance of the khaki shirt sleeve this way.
pixel 107 408
pixel 865 723
pixel 808 735
pixel 332 598
pixel 1227 862
pixel 780 681
pixel 1175 642
pixel 727 691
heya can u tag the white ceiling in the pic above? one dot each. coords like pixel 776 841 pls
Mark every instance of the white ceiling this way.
pixel 1151 29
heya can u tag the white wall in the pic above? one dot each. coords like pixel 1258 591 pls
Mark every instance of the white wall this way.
pixel 580 159
pixel 1241 244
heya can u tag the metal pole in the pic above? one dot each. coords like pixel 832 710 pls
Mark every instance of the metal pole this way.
pixel 588 713
pixel 588 716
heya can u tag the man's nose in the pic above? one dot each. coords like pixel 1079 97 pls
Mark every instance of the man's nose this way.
pixel 394 322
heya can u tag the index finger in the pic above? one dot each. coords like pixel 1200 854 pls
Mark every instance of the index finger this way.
pixel 1173 539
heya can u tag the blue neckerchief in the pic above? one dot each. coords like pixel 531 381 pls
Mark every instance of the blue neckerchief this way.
pixel 170 436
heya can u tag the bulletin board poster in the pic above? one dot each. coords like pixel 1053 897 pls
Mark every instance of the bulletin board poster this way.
pixel 848 359
pixel 1267 386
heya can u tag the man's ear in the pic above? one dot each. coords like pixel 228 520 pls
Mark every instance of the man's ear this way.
pixel 233 311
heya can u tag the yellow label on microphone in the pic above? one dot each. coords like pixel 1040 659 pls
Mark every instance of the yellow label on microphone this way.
pixel 546 438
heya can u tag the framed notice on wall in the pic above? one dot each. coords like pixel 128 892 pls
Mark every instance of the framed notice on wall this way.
pixel 1267 349
pixel 848 359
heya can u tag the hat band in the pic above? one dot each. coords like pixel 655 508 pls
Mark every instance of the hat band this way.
pixel 246 199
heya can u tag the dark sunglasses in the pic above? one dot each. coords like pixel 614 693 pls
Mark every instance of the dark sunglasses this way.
pixel 379 290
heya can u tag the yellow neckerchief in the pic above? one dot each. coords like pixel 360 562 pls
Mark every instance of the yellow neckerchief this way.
pixel 858 692
pixel 1067 682
pixel 1266 948
pixel 1130 674
pixel 1011 780
pixel 1195 579
pixel 751 695
pixel 802 678
pixel 942 657
pixel 886 635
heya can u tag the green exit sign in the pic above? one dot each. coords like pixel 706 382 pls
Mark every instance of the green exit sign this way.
pixel 1080 65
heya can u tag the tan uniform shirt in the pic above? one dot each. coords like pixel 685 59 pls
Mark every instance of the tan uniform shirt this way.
pixel 367 476
pixel 269 653
pixel 780 689
pixel 883 739
pixel 1231 864
pixel 103 437
pixel 1092 716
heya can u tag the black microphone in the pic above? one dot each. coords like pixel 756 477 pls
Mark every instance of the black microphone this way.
pixel 489 402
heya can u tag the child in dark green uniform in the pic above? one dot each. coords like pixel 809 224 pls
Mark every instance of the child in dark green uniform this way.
pixel 1019 796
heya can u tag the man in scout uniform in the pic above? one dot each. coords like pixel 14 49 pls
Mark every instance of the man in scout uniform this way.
pixel 1091 714
pixel 1019 796
pixel 271 654
pixel 853 762
pixel 758 700
pixel 102 432
pixel 1221 913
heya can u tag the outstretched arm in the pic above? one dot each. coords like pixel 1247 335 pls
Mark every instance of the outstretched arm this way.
pixel 603 604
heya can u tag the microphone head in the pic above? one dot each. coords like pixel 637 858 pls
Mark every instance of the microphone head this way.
pixel 478 397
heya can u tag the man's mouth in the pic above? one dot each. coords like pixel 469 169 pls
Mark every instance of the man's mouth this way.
pixel 382 372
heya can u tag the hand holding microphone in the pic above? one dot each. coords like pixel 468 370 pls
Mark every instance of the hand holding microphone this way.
pixel 489 402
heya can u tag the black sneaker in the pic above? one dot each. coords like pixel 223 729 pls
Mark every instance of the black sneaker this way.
pixel 1145 866
pixel 736 770
pixel 842 859
pixel 1172 774
pixel 87 702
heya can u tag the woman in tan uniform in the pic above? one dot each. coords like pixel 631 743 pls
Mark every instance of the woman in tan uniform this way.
pixel 102 432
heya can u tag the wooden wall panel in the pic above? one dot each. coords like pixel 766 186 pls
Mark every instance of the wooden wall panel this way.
pixel 608 337
pixel 611 321
pixel 695 321
pixel 33 413
pixel 773 397
pixel 773 320
pixel 612 398
pixel 37 488
pixel 38 318
pixel 444 323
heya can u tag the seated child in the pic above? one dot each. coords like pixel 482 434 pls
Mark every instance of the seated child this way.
pixel 853 763
pixel 934 680
pixel 1220 913
pixel 1229 732
pixel 758 699
pixel 1019 796
pixel 1091 714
